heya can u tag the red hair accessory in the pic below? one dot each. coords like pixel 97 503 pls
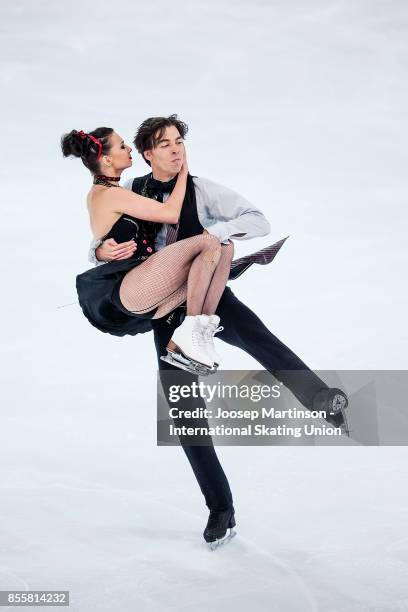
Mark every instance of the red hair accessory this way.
pixel 98 143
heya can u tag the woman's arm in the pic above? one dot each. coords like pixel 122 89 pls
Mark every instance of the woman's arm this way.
pixel 125 201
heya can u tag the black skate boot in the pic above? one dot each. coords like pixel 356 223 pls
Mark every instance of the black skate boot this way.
pixel 215 533
pixel 334 402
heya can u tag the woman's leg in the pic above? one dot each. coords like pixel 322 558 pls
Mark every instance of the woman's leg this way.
pixel 201 273
pixel 219 279
pixel 164 277
pixel 215 290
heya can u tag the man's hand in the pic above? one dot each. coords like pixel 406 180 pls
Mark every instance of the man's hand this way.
pixel 110 250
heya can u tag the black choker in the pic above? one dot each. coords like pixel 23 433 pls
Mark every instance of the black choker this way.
pixel 101 179
pixel 107 178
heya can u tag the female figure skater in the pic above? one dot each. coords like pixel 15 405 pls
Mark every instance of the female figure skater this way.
pixel 120 297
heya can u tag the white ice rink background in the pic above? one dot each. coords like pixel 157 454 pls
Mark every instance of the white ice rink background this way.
pixel 301 107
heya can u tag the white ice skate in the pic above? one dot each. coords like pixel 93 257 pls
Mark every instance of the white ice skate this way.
pixel 187 347
pixel 210 329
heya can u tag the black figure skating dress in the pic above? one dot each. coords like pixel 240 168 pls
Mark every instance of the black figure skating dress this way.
pixel 98 288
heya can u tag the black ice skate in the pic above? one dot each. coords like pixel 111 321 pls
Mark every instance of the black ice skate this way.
pixel 334 402
pixel 187 348
pixel 215 533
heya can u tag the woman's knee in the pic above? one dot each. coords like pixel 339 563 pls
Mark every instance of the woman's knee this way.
pixel 228 250
pixel 210 241
pixel 212 250
pixel 203 242
pixel 210 244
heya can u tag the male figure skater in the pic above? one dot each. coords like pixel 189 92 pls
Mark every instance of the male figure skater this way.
pixel 213 208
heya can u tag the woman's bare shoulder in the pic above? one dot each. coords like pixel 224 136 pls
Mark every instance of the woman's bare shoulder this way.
pixel 99 194
pixel 102 215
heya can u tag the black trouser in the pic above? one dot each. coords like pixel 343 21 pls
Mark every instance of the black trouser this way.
pixel 242 328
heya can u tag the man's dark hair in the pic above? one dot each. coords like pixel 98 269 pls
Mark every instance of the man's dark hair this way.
pixel 151 131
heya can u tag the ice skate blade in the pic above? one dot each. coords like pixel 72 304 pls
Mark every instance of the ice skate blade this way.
pixel 178 353
pixel 222 541
pixel 187 366
pixel 344 426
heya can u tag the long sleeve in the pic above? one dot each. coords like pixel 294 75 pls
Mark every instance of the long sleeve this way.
pixel 226 214
pixel 91 253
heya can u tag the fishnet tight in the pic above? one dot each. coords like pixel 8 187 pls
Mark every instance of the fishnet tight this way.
pixel 195 269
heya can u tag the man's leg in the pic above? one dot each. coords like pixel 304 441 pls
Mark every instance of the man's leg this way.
pixel 203 459
pixel 242 328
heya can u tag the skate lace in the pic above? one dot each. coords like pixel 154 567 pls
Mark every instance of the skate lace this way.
pixel 211 330
pixel 198 336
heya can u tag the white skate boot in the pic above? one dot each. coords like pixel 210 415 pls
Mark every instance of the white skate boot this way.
pixel 187 347
pixel 209 330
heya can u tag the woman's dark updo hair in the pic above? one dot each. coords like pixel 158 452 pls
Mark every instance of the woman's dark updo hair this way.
pixel 73 144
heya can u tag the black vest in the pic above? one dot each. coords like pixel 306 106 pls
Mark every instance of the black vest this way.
pixel 189 222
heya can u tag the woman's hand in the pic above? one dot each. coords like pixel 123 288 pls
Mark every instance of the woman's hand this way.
pixel 184 167
pixel 110 250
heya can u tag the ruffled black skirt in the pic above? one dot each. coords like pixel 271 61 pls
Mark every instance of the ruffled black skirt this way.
pixel 98 295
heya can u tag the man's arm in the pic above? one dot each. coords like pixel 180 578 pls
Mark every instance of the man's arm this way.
pixel 93 247
pixel 226 214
